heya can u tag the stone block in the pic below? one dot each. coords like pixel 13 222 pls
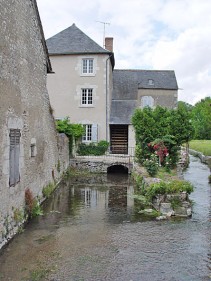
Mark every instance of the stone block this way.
pixel 165 208
pixel 183 211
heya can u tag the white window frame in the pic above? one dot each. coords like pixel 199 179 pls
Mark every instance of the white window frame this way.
pixel 87 137
pixel 88 66
pixel 91 133
pixel 86 97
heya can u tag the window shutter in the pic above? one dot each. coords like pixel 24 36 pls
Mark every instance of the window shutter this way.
pixel 94 133
pixel 14 156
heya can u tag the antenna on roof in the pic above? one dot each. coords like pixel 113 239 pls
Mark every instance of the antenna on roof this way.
pixel 104 23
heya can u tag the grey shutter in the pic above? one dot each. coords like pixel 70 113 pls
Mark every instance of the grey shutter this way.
pixel 94 133
pixel 14 156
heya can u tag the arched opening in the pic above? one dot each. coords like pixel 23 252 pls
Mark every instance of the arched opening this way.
pixel 120 169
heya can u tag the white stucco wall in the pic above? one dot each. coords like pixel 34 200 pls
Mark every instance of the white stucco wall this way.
pixel 131 140
pixel 64 87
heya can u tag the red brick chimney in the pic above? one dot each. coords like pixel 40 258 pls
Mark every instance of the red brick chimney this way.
pixel 109 43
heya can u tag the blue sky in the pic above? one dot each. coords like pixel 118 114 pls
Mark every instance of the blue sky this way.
pixel 148 34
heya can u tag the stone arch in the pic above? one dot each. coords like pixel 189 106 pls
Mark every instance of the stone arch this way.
pixel 117 168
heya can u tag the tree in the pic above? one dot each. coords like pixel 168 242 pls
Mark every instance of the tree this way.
pixel 180 123
pixel 201 119
pixel 167 128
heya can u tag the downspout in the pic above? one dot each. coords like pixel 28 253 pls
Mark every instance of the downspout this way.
pixel 107 96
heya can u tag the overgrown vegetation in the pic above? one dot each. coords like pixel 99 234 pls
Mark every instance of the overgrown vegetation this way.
pixel 93 148
pixel 48 190
pixel 166 183
pixel 72 131
pixel 172 187
pixel 74 172
pixel 18 215
pixel 33 207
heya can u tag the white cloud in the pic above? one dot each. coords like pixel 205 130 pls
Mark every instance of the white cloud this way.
pixel 159 34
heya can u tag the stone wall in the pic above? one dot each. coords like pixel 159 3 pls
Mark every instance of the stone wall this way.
pixel 98 164
pixel 25 108
pixel 203 158
pixel 63 145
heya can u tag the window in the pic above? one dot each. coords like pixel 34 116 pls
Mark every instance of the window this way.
pixel 86 97
pixel 33 148
pixel 87 133
pixel 147 101
pixel 87 66
pixel 151 82
pixel 90 133
pixel 14 174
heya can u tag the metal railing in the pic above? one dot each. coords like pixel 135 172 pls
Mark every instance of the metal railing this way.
pixel 113 152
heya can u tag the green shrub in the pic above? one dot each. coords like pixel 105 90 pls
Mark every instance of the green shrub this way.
pixel 95 149
pixel 177 186
pixel 172 187
pixel 151 165
pixel 72 131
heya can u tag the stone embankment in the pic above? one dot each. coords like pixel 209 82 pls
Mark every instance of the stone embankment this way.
pixel 203 158
pixel 173 205
pixel 170 205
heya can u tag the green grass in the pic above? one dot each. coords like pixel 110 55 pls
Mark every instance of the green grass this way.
pixel 203 146
pixel 38 274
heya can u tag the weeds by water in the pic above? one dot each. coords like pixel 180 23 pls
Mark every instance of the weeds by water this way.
pixel 39 274
pixel 48 190
pixel 73 172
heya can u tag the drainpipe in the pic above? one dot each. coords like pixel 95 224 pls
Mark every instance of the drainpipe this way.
pixel 107 96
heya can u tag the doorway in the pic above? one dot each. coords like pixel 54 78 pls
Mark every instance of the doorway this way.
pixel 119 139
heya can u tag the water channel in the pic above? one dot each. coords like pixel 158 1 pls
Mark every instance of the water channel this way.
pixel 90 232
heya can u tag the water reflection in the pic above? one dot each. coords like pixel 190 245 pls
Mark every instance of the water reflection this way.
pixel 86 232
pixel 113 200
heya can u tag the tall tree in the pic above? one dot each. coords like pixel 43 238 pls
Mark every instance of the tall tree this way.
pixel 180 123
pixel 201 119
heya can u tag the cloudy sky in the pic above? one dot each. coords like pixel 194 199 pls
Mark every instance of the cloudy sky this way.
pixel 148 34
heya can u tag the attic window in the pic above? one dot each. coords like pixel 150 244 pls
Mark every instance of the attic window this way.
pixel 151 82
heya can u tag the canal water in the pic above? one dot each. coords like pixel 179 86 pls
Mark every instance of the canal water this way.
pixel 90 232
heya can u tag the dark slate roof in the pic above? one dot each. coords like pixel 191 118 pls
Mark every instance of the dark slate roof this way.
pixel 122 111
pixel 127 82
pixel 125 90
pixel 73 41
